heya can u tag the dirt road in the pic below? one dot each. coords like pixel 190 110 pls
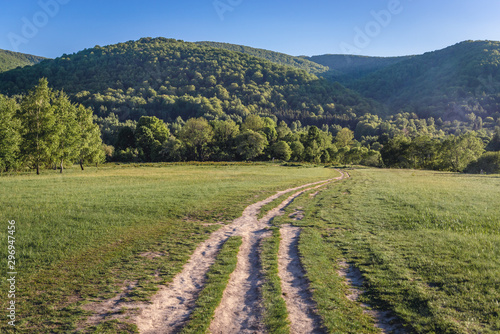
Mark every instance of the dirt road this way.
pixel 240 309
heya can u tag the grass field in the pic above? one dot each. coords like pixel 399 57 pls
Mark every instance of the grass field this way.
pixel 82 235
pixel 427 243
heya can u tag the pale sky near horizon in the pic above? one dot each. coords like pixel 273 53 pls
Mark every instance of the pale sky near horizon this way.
pixel 51 28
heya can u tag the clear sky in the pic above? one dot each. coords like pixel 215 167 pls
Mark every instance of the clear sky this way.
pixel 51 28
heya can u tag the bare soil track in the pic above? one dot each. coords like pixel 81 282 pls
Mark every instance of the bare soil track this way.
pixel 240 309
pixel 294 284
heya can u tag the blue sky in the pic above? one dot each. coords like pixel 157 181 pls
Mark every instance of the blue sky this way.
pixel 51 28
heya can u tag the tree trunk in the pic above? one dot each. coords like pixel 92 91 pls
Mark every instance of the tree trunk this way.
pixel 37 169
pixel 81 164
pixel 62 166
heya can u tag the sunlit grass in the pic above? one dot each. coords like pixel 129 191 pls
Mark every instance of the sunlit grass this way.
pixel 81 233
pixel 427 243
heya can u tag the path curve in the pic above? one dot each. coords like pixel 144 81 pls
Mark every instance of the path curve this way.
pixel 171 306
pixel 240 310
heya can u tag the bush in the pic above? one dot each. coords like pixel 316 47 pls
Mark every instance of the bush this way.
pixel 488 163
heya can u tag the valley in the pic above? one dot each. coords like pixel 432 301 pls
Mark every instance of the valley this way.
pixel 164 186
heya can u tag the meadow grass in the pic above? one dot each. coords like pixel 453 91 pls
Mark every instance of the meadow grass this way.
pixel 427 243
pixel 211 295
pixel 81 235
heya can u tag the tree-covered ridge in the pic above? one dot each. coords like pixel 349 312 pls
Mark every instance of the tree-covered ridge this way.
pixel 10 60
pixel 275 57
pixel 452 83
pixel 347 68
pixel 169 78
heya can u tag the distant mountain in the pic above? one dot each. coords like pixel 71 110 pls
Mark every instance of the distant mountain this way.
pixel 10 60
pixel 347 68
pixel 275 57
pixel 451 83
pixel 169 78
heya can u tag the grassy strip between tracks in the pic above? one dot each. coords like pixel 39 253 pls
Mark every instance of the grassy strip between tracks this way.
pixel 211 295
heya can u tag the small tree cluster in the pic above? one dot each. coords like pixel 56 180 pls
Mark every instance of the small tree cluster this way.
pixel 452 153
pixel 45 130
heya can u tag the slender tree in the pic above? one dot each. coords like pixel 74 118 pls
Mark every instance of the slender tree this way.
pixel 39 131
pixel 67 130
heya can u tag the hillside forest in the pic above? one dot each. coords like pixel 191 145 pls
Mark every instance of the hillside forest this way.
pixel 168 100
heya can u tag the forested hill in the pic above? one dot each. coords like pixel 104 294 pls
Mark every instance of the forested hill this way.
pixel 452 83
pixel 169 78
pixel 275 57
pixel 10 60
pixel 347 68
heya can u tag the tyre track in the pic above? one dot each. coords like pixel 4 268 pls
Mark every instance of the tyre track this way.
pixel 171 306
pixel 294 283
pixel 240 310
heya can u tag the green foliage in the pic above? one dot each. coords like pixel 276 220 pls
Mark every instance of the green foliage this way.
pixel 46 130
pixel 488 163
pixel 344 138
pixel 281 150
pixel 168 78
pixel 313 67
pixel 452 153
pixel 347 68
pixel 250 144
pixel 39 130
pixel 197 134
pixel 234 91
pixel 451 83
pixel 458 152
pixel 151 135
pixel 9 134
pixel 90 145
pixel 67 130
pixel 494 144
pixel 10 60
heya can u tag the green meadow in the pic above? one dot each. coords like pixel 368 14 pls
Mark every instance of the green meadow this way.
pixel 81 236
pixel 427 244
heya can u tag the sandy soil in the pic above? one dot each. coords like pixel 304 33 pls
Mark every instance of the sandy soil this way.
pixel 294 284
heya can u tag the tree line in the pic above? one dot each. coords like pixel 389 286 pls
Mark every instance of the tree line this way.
pixel 44 129
pixel 256 138
pixel 264 138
